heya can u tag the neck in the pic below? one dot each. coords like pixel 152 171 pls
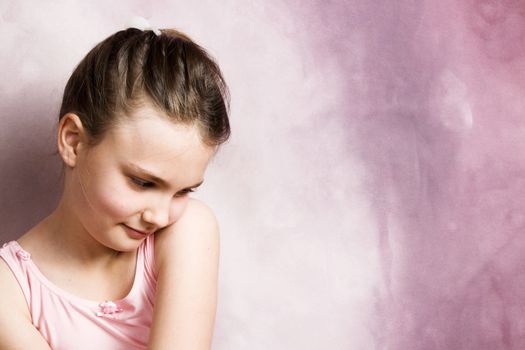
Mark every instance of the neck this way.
pixel 68 239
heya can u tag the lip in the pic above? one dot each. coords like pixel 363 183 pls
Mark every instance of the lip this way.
pixel 137 232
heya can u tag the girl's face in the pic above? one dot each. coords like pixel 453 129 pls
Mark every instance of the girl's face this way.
pixel 138 178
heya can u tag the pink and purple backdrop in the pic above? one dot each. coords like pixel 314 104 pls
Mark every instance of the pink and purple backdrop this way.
pixel 370 195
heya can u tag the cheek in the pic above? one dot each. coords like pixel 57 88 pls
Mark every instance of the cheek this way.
pixel 111 199
pixel 117 204
pixel 177 208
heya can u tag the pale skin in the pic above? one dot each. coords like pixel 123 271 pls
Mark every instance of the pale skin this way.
pixel 138 177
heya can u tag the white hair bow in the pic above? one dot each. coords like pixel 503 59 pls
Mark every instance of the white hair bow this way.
pixel 142 24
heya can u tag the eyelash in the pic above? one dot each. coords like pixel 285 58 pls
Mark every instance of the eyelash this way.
pixel 189 190
pixel 141 183
pixel 148 184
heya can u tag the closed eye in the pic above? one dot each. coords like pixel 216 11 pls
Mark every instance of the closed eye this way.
pixel 141 183
pixel 185 192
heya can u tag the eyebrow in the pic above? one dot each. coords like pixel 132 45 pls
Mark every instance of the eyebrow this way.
pixel 157 179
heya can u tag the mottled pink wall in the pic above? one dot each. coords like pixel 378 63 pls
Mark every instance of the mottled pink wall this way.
pixel 436 105
pixel 370 196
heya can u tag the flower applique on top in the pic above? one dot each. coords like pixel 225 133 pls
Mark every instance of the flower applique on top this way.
pixel 109 309
pixel 23 255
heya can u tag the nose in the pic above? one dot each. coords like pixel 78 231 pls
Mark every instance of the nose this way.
pixel 164 213
pixel 156 215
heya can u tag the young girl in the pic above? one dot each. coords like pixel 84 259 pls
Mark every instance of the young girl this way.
pixel 127 260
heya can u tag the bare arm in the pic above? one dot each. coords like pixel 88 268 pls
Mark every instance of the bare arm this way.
pixel 16 330
pixel 187 264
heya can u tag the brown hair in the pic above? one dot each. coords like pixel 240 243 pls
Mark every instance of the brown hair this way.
pixel 132 67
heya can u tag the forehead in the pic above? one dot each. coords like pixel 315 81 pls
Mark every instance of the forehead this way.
pixel 148 138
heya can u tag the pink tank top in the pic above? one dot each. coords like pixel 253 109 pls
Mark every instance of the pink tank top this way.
pixel 69 322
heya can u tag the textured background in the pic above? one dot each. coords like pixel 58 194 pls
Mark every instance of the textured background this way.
pixel 370 195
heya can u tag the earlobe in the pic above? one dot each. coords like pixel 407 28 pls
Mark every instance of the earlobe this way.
pixel 70 136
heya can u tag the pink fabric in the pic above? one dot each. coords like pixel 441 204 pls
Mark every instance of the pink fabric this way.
pixel 70 322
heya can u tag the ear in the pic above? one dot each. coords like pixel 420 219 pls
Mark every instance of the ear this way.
pixel 71 138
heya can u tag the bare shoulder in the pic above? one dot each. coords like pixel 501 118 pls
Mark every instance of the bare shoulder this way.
pixel 16 329
pixel 197 227
pixel 186 296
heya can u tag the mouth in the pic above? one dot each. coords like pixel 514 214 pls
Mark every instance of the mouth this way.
pixel 144 233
